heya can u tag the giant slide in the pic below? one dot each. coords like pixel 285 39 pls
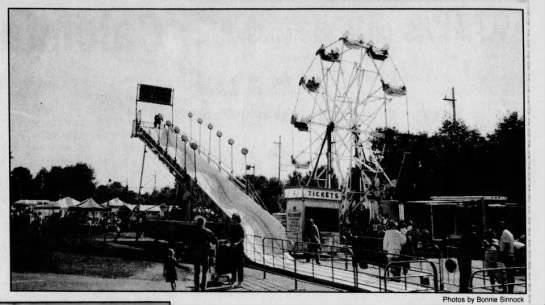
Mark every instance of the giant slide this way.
pixel 214 182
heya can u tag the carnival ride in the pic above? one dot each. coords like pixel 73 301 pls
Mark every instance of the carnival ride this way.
pixel 342 95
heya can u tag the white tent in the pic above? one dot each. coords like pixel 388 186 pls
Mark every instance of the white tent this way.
pixel 114 203
pixel 67 202
pixel 90 205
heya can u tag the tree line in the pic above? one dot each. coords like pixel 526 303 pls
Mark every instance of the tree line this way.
pixel 457 160
pixel 79 182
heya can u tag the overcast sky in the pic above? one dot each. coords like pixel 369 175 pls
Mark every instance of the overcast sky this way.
pixel 73 76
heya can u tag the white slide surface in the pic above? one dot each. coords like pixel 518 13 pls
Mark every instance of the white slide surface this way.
pixel 223 192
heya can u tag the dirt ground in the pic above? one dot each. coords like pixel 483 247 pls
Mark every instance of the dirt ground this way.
pixel 151 279
pixel 126 265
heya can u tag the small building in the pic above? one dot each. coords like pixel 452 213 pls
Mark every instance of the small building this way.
pixel 23 203
pixel 446 216
pixel 322 205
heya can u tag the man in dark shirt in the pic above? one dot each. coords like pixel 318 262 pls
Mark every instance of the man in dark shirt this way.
pixel 157 120
pixel 469 249
pixel 202 239
pixel 314 241
pixel 237 247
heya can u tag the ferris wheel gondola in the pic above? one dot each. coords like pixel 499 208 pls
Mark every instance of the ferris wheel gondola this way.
pixel 341 97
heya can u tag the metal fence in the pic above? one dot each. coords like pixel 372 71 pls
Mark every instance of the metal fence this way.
pixel 499 278
pixel 339 267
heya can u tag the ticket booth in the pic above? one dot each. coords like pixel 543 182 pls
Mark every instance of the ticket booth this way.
pixel 322 205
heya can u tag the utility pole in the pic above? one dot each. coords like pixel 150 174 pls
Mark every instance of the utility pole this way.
pixel 279 143
pixel 141 174
pixel 155 181
pixel 453 100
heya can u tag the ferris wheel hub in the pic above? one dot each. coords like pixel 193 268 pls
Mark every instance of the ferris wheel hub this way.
pixel 330 127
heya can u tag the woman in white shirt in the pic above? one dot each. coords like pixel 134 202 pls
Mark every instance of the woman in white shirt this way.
pixel 391 245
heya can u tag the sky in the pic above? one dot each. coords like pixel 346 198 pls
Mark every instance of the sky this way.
pixel 73 77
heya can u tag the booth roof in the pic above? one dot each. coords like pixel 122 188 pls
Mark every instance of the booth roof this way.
pixel 32 202
pixel 146 208
pixel 114 203
pixel 67 202
pixel 150 208
pixel 89 204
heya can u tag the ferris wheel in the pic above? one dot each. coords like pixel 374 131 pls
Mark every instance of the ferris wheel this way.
pixel 343 96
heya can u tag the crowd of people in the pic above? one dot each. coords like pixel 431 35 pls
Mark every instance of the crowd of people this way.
pixel 403 242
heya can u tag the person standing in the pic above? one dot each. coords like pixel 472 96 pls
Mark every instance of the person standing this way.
pixel 117 225
pixel 470 245
pixel 314 241
pixel 157 120
pixel 407 249
pixel 237 250
pixel 507 256
pixel 391 245
pixel 491 247
pixel 201 245
pixel 139 226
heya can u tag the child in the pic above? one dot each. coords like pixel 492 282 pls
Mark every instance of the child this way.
pixel 169 269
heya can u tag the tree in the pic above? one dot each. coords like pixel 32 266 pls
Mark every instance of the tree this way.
pixel 80 182
pixel 38 184
pixel 460 159
pixel 20 184
pixel 295 179
pixel 405 161
pixel 76 181
pixel 508 155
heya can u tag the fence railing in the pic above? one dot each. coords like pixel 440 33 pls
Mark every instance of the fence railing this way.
pixel 400 264
pixel 339 266
pixel 501 279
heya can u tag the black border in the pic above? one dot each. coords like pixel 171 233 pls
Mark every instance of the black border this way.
pixel 524 91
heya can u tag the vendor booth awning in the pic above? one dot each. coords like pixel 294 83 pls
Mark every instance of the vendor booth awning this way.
pixel 114 203
pixel 67 202
pixel 89 204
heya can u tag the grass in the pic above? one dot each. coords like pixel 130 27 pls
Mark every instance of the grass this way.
pixel 82 256
pixel 90 265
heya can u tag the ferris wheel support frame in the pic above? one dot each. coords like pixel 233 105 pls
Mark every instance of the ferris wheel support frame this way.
pixel 327 139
